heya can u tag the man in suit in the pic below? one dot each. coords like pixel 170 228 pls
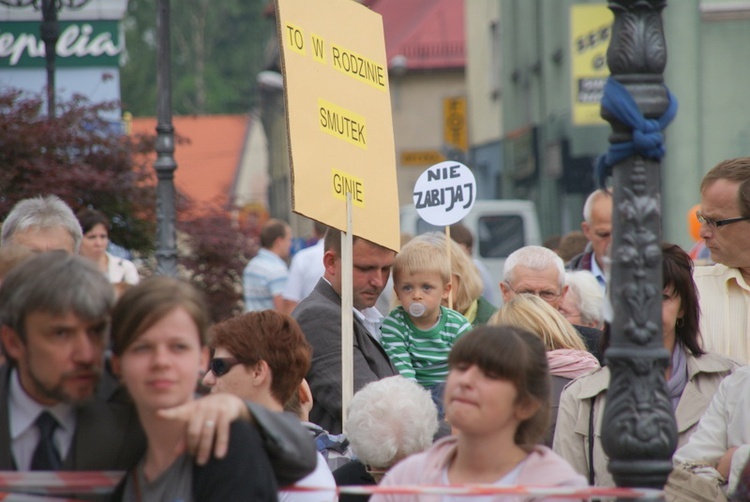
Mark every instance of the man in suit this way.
pixel 319 316
pixel 60 409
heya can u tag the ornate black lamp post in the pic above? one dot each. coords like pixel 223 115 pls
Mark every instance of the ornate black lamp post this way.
pixel 50 32
pixel 166 254
pixel 639 431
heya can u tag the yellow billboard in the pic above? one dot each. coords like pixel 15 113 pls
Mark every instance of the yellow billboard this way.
pixel 455 134
pixel 590 32
pixel 339 116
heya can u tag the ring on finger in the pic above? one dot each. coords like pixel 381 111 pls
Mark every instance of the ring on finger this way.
pixel 209 423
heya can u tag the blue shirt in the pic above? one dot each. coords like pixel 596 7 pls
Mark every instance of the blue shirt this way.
pixel 264 277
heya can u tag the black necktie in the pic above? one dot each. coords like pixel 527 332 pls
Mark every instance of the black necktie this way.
pixel 46 457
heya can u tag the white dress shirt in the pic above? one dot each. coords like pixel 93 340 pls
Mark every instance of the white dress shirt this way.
pixel 24 435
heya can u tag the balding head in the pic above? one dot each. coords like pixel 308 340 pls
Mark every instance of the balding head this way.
pixel 597 223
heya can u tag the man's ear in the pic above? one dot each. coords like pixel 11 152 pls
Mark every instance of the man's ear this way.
pixel 329 262
pixel 505 290
pixel 564 292
pixel 12 344
pixel 586 229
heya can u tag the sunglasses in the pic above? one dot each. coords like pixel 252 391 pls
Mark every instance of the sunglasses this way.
pixel 221 365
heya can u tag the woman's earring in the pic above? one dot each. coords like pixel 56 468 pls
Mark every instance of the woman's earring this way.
pixel 680 322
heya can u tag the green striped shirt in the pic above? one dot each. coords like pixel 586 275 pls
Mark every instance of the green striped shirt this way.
pixel 422 355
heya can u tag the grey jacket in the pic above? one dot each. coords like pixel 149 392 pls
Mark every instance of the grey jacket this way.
pixel 109 436
pixel 319 316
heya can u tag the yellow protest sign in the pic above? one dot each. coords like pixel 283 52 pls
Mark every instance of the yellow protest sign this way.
pixel 590 32
pixel 339 116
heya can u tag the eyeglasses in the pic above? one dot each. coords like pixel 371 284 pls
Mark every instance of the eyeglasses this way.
pixel 547 296
pixel 718 223
pixel 221 365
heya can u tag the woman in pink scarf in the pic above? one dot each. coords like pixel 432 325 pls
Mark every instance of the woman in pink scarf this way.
pixel 566 353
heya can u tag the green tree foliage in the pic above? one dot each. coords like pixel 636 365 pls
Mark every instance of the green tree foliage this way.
pixel 217 50
pixel 80 157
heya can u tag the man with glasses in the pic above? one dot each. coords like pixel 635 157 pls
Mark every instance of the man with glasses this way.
pixel 725 287
pixel 539 271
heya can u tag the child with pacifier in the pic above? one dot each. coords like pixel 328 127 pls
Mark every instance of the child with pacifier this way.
pixel 419 334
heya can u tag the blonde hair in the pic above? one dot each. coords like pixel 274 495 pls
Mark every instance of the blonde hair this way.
pixel 534 314
pixel 469 286
pixel 421 256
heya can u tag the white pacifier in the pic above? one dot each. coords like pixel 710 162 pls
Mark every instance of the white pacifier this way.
pixel 417 309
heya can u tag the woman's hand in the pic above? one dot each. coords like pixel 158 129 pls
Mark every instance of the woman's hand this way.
pixel 208 420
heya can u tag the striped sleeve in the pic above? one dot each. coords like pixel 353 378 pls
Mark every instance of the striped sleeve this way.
pixel 395 341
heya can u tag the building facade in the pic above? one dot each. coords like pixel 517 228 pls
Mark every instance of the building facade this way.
pixel 550 69
pixel 89 51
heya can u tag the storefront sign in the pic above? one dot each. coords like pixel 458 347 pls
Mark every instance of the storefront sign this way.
pixel 81 43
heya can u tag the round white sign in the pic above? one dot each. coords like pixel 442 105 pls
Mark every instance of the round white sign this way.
pixel 445 193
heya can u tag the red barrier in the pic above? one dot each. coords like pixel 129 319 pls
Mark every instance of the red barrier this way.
pixel 31 486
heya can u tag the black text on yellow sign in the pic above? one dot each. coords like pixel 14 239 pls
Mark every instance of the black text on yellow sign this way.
pixel 421 157
pixel 342 123
pixel 295 38
pixel 342 59
pixel 344 183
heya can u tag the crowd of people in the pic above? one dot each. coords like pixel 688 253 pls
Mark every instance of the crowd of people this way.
pixel 105 370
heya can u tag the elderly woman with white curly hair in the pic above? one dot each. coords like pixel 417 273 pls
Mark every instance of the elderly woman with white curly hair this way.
pixel 583 305
pixel 387 421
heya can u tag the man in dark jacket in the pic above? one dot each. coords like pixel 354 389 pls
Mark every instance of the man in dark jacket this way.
pixel 319 316
pixel 597 227
pixel 59 407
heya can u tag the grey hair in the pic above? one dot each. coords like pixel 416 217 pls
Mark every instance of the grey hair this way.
pixel 590 296
pixel 390 419
pixel 56 283
pixel 41 212
pixel 588 206
pixel 536 258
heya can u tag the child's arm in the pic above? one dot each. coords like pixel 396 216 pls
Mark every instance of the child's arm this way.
pixel 395 341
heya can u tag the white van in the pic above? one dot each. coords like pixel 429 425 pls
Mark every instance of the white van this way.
pixel 499 227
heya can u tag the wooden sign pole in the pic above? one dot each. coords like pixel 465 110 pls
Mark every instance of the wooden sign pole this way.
pixel 448 251
pixel 347 313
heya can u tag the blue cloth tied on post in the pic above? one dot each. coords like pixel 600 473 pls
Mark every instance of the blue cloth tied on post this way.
pixel 647 141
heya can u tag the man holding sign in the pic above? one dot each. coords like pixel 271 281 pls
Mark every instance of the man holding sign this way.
pixel 319 316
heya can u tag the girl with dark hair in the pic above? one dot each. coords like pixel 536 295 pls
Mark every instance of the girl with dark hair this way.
pixel 497 401
pixel 95 227
pixel 693 376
